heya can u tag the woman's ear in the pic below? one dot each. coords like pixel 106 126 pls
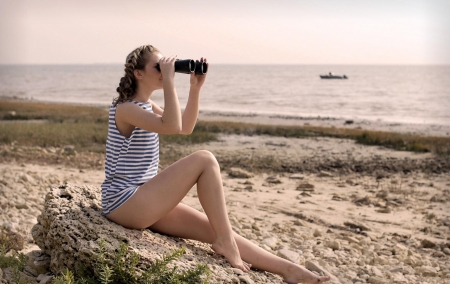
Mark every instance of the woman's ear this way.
pixel 137 74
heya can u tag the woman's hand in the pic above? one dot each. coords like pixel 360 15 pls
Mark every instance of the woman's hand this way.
pixel 198 80
pixel 167 66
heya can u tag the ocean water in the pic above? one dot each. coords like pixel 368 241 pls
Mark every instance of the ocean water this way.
pixel 404 94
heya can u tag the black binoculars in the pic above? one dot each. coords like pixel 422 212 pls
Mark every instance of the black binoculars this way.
pixel 188 66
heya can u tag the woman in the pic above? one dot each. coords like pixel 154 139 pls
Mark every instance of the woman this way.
pixel 134 195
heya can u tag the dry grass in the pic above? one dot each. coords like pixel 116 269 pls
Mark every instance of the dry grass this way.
pixel 85 128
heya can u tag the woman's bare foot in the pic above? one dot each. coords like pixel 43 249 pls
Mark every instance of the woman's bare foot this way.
pixel 298 274
pixel 230 250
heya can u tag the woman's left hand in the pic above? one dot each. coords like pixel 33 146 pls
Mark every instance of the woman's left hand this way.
pixel 198 80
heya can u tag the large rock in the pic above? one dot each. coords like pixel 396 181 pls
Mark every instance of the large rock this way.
pixel 71 226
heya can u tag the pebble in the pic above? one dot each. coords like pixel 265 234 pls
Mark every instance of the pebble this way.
pixel 271 242
pixel 446 251
pixel 246 279
pixel 292 256
pixel 296 176
pixel 426 270
pixel 305 187
pixel 334 244
pixel 317 233
pixel 428 244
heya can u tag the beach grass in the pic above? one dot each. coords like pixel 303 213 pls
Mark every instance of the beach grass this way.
pixel 30 123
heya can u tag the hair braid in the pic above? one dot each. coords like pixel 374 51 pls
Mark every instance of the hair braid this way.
pixel 136 60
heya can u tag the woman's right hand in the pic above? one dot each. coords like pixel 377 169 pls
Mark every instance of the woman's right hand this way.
pixel 167 66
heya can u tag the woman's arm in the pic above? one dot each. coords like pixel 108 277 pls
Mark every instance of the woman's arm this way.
pixel 129 115
pixel 190 113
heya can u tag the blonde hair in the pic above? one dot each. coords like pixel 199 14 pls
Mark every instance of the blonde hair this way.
pixel 136 60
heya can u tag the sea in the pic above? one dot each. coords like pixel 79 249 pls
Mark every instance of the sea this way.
pixel 403 94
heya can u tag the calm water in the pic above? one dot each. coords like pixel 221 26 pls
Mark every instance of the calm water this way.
pixel 416 94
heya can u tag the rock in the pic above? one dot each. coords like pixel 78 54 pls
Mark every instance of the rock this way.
pixel 271 242
pixel 325 174
pixel 292 256
pixel 376 272
pixel 382 194
pixel 27 178
pixel 376 280
pixel 237 271
pixel 446 251
pixel 351 240
pixel 313 266
pixel 246 279
pixel 334 244
pixel 239 173
pixel 273 180
pixel 71 225
pixel 301 223
pixel 39 261
pixel 427 270
pixel 305 187
pixel 428 244
pixel 386 210
pixel 357 225
pixel 317 233
pixel 45 279
pixel 296 176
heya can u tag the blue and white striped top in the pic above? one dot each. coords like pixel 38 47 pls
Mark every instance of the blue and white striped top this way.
pixel 130 162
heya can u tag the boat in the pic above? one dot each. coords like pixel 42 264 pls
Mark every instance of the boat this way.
pixel 330 75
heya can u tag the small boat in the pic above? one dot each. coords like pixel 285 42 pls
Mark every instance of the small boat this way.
pixel 332 76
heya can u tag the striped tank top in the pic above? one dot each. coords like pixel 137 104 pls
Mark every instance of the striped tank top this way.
pixel 130 162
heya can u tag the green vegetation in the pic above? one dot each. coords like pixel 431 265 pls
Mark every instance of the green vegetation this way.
pixel 125 267
pixel 10 243
pixel 85 128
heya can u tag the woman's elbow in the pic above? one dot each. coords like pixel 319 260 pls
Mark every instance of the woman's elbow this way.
pixel 185 131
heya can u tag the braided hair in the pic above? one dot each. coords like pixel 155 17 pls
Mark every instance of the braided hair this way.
pixel 136 60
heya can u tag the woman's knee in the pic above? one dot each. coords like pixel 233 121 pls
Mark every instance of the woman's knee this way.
pixel 206 158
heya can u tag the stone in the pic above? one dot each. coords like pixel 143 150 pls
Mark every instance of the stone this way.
pixel 317 233
pixel 446 251
pixel 292 256
pixel 351 240
pixel 428 244
pixel 39 261
pixel 325 174
pixel 273 180
pixel 376 272
pixel 376 280
pixel 239 173
pixel 357 225
pixel 334 244
pixel 305 187
pixel 271 242
pixel 71 224
pixel 296 176
pixel 246 279
pixel 426 270
pixel 237 271
pixel 44 278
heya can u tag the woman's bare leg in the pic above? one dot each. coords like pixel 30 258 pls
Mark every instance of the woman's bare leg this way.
pixel 160 195
pixel 186 222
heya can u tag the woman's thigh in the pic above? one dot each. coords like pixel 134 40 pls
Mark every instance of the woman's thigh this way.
pixel 157 197
pixel 185 222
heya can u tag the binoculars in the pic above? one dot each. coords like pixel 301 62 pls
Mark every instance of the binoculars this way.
pixel 188 66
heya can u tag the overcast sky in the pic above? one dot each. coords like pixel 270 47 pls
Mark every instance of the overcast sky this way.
pixel 227 31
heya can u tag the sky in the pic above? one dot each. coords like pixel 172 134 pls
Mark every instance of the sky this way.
pixel 381 32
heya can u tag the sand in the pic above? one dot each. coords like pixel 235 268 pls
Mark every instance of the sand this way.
pixel 383 204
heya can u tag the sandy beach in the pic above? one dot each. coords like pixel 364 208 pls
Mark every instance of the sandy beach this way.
pixel 366 213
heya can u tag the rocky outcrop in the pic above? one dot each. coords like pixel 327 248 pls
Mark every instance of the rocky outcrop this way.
pixel 71 226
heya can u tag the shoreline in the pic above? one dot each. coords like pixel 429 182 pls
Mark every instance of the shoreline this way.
pixel 426 129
